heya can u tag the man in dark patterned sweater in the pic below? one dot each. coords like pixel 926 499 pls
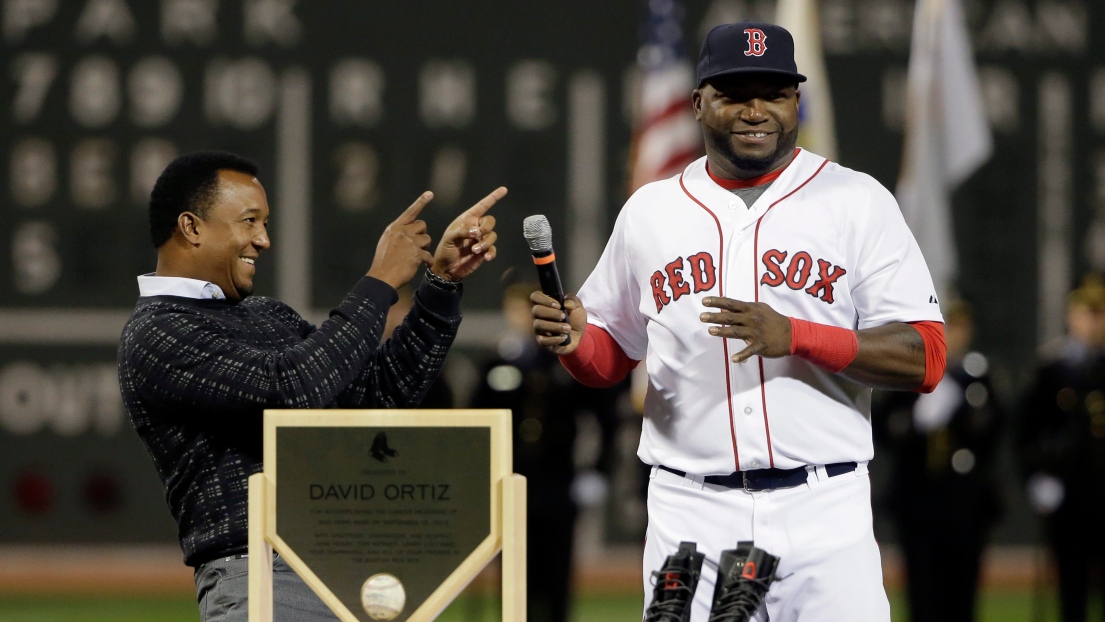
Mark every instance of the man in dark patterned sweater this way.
pixel 200 360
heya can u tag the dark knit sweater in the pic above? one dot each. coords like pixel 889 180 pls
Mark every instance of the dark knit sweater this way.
pixel 196 376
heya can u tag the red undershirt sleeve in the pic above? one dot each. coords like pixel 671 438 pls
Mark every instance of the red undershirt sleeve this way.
pixel 598 361
pixel 932 333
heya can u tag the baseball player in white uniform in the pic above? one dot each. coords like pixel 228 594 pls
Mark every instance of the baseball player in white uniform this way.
pixel 768 290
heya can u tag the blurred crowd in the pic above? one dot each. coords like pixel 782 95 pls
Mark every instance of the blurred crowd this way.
pixel 942 452
pixel 944 496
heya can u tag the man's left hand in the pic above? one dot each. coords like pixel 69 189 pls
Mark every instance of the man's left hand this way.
pixel 468 241
pixel 765 331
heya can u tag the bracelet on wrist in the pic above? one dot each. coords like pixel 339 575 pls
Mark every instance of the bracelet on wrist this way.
pixel 445 284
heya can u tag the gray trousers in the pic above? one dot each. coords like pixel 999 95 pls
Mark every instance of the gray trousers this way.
pixel 222 589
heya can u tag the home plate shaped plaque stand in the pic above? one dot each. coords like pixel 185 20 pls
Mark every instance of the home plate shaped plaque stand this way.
pixel 387 514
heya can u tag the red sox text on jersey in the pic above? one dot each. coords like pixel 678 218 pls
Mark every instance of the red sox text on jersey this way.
pixel 669 285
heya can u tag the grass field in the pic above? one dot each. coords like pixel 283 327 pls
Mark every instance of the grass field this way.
pixel 995 606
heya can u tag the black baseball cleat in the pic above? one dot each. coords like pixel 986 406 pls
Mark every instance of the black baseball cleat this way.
pixel 675 584
pixel 743 576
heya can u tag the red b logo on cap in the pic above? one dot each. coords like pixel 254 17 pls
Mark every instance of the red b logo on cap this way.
pixel 757 42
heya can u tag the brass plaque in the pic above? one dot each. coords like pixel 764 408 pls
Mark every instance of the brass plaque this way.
pixel 412 502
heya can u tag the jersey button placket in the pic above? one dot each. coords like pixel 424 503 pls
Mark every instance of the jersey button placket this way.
pixel 748 410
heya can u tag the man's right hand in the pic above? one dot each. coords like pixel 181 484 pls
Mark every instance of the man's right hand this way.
pixel 402 247
pixel 549 325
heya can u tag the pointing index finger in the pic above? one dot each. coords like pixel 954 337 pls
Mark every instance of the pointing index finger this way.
pixel 411 213
pixel 484 204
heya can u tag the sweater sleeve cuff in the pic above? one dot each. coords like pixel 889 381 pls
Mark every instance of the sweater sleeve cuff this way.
pixel 440 301
pixel 378 292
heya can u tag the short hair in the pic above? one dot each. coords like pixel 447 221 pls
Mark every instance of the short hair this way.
pixel 189 184
pixel 1091 294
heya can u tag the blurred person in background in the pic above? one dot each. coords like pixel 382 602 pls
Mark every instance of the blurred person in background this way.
pixel 200 358
pixel 1061 445
pixel 943 495
pixel 546 403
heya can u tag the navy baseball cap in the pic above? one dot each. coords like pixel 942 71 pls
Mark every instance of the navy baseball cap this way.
pixel 747 47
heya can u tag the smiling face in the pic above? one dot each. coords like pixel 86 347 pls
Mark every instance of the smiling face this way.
pixel 231 234
pixel 749 122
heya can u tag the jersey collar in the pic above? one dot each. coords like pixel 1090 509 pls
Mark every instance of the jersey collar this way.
pixel 701 185
pixel 736 184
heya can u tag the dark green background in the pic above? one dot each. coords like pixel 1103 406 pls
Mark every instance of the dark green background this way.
pixel 103 250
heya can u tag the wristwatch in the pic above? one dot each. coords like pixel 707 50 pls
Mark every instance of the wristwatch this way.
pixel 440 283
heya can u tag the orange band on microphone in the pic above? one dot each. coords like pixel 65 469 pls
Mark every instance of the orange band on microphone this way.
pixel 551 257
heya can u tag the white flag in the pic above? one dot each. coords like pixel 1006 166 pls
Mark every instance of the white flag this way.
pixel 947 136
pixel 816 131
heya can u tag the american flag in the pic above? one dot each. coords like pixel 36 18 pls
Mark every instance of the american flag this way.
pixel 666 136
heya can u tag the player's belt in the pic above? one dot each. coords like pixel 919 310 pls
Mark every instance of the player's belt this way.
pixel 767 479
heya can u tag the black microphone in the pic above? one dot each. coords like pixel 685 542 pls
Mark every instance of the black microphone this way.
pixel 538 235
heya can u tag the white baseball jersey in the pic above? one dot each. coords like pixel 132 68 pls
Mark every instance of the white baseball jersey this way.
pixel 824 243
